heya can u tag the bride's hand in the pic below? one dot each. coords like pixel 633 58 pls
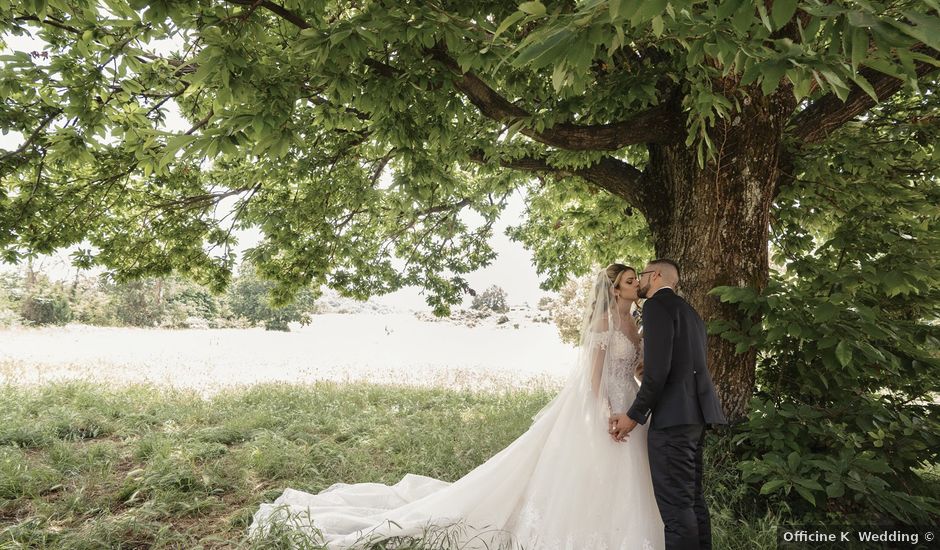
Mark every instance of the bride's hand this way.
pixel 619 426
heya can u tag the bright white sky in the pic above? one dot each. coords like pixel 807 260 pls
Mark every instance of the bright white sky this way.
pixel 512 269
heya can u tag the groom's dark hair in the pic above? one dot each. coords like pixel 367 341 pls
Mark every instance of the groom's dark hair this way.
pixel 670 262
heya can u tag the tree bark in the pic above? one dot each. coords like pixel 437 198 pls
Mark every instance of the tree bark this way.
pixel 714 222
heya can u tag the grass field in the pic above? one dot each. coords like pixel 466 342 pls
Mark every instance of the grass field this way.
pixel 84 466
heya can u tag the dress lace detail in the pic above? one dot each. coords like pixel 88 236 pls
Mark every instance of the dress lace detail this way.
pixel 622 361
pixel 598 340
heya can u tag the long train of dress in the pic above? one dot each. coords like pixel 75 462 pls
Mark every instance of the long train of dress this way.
pixel 563 484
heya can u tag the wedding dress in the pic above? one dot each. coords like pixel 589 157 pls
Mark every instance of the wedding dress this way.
pixel 563 484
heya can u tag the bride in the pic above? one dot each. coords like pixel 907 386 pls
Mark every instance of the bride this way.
pixel 565 483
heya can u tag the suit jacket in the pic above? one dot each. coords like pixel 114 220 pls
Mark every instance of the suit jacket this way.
pixel 677 387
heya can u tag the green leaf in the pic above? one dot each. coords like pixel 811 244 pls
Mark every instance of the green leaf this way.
pixel 647 10
pixel 782 12
pixel 838 85
pixel 514 127
pixel 173 145
pixel 825 311
pixel 615 8
pixel 771 74
pixel 726 8
pixel 806 494
pixel 764 17
pixel 195 81
pixel 844 353
pixel 532 8
pixel 544 52
pixel 811 484
pixel 927 29
pixel 865 85
pixel 793 460
pixel 744 17
pixel 835 489
pixel 658 26
pixel 859 46
pixel 508 22
pixel 772 486
pixel 558 76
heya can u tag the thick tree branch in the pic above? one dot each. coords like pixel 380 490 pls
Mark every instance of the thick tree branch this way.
pixel 528 164
pixel 276 9
pixel 613 175
pixel 620 178
pixel 656 124
pixel 828 113
pixel 653 125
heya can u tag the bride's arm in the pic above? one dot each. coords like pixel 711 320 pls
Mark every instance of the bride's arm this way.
pixel 595 340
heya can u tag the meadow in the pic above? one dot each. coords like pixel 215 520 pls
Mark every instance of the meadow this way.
pixel 144 466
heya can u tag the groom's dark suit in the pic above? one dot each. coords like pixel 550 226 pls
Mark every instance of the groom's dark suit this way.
pixel 678 391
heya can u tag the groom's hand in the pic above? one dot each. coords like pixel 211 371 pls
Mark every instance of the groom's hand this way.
pixel 620 426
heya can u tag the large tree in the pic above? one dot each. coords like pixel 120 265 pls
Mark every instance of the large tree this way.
pixel 691 113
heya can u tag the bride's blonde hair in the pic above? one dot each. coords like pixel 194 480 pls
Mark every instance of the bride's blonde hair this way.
pixel 613 272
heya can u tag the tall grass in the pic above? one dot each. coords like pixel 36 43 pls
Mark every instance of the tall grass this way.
pixel 82 466
pixel 89 467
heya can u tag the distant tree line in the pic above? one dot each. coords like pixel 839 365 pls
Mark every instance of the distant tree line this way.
pixel 32 298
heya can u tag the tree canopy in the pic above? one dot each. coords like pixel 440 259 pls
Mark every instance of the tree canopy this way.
pixel 297 110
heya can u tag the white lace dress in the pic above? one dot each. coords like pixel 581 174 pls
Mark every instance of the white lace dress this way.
pixel 564 484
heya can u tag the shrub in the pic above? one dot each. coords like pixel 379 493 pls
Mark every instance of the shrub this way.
pixel 845 417
pixel 45 303
pixel 250 298
pixel 567 307
pixel 493 299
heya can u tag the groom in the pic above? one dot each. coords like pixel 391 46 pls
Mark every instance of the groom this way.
pixel 678 391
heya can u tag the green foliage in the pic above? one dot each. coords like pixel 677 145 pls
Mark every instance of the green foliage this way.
pixel 250 298
pixel 493 299
pixel 339 131
pixel 92 301
pixel 846 414
pixel 169 302
pixel 44 302
pixel 195 301
pixel 138 303
pixel 299 117
pixel 740 516
pixel 573 228
pixel 701 43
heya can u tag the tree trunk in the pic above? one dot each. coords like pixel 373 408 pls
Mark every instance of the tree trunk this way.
pixel 714 223
pixel 30 275
pixel 158 293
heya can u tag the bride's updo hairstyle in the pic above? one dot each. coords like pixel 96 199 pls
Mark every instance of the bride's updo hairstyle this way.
pixel 614 271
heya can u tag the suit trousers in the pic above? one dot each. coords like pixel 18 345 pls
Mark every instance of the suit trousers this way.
pixel 675 455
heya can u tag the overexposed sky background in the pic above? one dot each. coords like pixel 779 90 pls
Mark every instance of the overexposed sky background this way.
pixel 512 269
